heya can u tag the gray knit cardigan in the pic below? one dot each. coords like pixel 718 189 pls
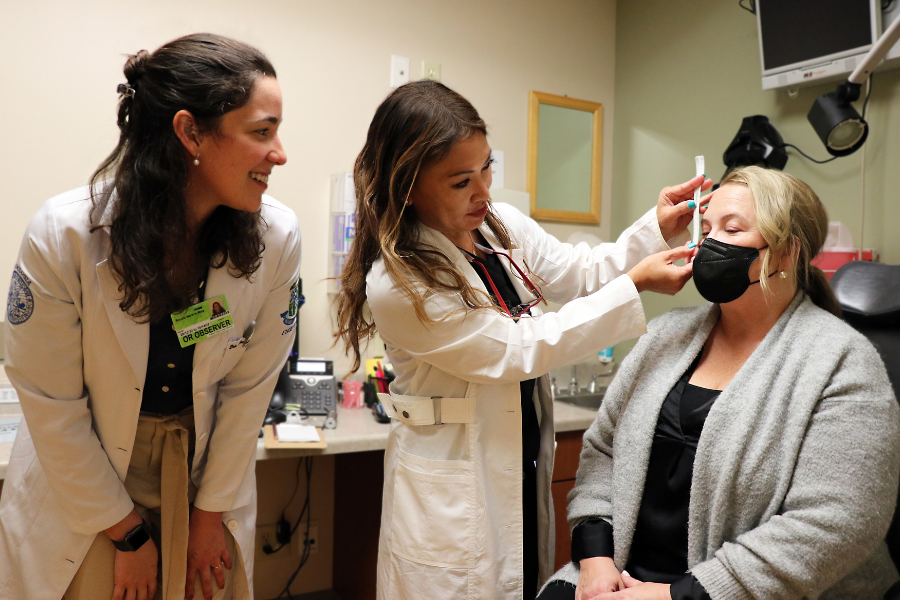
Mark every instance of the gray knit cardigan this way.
pixel 796 471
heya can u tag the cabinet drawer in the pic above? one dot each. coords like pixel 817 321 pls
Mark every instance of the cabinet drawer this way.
pixel 568 449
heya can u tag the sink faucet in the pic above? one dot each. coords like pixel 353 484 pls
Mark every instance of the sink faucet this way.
pixel 573 383
pixel 554 392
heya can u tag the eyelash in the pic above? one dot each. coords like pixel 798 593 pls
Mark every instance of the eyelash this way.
pixel 263 132
pixel 465 182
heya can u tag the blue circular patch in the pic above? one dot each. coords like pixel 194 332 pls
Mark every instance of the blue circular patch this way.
pixel 20 302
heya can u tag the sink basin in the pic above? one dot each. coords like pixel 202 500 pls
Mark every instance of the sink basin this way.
pixel 584 399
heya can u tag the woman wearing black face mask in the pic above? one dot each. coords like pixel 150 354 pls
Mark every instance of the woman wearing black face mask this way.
pixel 749 447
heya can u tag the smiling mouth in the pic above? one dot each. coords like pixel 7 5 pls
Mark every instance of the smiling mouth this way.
pixel 260 177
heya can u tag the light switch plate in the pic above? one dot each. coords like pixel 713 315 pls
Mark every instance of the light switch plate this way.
pixel 399 70
pixel 431 70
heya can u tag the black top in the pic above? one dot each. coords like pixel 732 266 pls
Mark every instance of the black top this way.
pixel 531 431
pixel 168 388
pixel 659 547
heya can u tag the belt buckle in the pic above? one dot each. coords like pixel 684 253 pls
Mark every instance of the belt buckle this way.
pixel 436 401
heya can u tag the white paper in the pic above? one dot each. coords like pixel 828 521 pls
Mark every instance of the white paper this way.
pixel 291 432
pixel 497 170
pixel 8 429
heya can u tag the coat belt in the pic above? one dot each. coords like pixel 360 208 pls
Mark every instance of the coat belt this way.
pixel 428 410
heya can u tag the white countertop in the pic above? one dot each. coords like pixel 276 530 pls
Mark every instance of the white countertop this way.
pixel 357 431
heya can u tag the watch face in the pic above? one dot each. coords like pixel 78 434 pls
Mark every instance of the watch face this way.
pixel 134 539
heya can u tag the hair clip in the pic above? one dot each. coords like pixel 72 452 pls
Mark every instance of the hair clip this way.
pixel 126 90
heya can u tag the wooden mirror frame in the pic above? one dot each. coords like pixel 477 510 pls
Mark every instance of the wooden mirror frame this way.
pixel 592 214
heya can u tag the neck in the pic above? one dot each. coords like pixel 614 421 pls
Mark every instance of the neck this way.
pixel 198 207
pixel 750 317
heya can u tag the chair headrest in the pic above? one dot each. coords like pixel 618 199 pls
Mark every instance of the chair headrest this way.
pixel 869 292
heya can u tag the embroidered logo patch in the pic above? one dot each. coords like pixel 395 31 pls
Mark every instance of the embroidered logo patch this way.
pixel 290 315
pixel 20 302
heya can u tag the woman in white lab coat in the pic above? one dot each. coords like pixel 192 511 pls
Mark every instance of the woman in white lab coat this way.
pixel 124 427
pixel 453 285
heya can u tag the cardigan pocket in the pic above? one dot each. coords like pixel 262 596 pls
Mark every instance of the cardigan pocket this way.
pixel 434 512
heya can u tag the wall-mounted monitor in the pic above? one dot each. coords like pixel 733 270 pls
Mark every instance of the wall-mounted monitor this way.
pixel 806 41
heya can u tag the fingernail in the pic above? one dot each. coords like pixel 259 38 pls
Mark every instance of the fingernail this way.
pixel 704 176
pixel 692 245
pixel 692 204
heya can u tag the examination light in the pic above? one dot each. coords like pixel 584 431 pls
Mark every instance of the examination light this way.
pixel 839 126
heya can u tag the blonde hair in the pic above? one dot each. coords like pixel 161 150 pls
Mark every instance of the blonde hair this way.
pixel 793 221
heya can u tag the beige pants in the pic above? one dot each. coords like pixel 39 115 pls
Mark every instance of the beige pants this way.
pixel 160 487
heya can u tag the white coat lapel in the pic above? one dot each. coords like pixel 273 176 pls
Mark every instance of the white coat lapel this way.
pixel 438 240
pixel 209 351
pixel 133 337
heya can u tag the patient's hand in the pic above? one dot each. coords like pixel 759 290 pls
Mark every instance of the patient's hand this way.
pixel 598 575
pixel 636 590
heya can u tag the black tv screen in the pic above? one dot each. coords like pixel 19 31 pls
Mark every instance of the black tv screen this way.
pixel 794 31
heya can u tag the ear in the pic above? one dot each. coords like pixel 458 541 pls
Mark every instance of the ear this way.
pixel 791 255
pixel 187 131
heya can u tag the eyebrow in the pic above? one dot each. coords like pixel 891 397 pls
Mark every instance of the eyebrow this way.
pixel 458 173
pixel 729 216
pixel 272 120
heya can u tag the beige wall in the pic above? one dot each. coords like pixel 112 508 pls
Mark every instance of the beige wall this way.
pixel 686 74
pixel 61 62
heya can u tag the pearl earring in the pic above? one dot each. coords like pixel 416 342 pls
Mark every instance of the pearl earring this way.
pixel 197 160
pixel 783 275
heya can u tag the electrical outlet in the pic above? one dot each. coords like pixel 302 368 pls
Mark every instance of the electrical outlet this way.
pixel 265 535
pixel 399 70
pixel 300 537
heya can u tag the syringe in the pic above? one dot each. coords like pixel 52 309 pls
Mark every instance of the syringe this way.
pixel 701 169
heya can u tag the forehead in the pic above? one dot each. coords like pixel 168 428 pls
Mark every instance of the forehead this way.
pixel 466 154
pixel 731 199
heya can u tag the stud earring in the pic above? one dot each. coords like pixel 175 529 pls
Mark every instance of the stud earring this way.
pixel 197 160
pixel 783 275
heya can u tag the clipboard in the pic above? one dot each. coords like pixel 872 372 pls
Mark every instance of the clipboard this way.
pixel 272 443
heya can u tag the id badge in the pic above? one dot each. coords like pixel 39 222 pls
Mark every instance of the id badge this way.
pixel 202 320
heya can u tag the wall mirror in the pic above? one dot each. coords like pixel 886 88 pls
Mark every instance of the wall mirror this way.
pixel 564 150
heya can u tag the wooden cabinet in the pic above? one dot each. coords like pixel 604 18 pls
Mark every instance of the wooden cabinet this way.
pixel 565 465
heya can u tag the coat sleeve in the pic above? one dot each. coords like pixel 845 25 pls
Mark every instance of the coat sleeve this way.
pixel 571 271
pixel 228 476
pixel 485 346
pixel 591 498
pixel 45 364
pixel 840 501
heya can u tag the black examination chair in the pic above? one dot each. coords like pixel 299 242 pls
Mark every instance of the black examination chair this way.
pixel 869 294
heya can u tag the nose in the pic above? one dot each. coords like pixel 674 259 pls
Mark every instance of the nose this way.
pixel 277 155
pixel 481 191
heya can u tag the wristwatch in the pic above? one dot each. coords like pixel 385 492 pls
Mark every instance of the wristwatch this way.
pixel 134 539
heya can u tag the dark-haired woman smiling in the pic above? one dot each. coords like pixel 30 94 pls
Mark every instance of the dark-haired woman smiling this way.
pixel 133 473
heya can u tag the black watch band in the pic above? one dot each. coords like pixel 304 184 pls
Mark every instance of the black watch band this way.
pixel 134 539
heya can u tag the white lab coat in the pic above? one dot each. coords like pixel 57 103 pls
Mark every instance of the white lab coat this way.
pixel 456 489
pixel 78 364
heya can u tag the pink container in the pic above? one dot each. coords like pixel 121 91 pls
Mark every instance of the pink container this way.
pixel 352 394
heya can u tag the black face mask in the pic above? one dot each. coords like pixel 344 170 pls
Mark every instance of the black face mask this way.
pixel 722 271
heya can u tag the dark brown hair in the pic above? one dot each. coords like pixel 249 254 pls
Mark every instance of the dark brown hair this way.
pixel 207 75
pixel 413 128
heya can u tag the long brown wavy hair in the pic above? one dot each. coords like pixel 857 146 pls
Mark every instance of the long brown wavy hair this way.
pixel 207 75
pixel 413 128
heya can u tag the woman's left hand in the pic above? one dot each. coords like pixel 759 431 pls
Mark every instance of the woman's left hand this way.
pixel 637 590
pixel 207 553
pixel 674 210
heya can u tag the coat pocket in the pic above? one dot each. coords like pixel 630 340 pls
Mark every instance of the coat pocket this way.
pixel 434 512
